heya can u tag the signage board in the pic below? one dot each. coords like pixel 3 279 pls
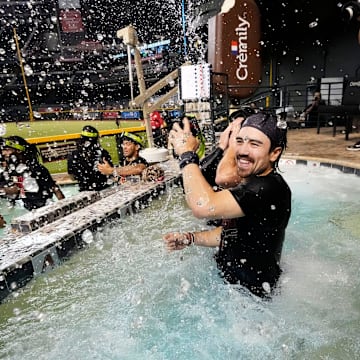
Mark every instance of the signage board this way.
pixel 69 4
pixel 234 46
pixel 131 115
pixel 56 152
pixel 71 21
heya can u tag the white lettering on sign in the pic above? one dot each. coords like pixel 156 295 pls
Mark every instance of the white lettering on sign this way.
pixel 242 34
pixel 355 83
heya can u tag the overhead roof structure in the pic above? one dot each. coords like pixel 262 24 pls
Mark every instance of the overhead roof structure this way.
pixel 56 71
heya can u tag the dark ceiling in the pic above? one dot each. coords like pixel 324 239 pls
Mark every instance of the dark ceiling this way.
pixel 283 22
pixel 285 25
pixel 311 22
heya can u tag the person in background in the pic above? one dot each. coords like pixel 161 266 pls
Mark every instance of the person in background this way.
pixel 82 163
pixel 25 177
pixel 311 111
pixel 130 163
pixel 255 213
pixel 254 107
pixel 158 125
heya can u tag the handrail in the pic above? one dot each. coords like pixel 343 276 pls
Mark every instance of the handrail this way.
pixel 54 138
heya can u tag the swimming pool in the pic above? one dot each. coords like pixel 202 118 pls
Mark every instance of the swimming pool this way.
pixel 125 297
pixel 10 212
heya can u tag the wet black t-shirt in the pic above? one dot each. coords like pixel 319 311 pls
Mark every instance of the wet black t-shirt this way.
pixel 250 247
pixel 37 197
pixel 133 162
pixel 83 166
pixel 35 184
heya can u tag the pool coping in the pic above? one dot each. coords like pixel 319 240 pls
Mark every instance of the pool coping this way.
pixel 344 166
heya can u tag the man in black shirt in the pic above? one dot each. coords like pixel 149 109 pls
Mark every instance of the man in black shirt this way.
pixel 82 163
pixel 255 213
pixel 26 178
pixel 130 163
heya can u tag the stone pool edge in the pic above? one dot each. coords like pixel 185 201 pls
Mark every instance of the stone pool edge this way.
pixel 346 167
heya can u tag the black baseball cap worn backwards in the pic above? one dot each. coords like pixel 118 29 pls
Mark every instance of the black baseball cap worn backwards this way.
pixel 269 125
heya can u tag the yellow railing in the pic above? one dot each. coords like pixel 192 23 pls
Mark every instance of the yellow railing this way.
pixel 46 139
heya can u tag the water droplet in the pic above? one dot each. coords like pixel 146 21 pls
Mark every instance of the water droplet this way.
pixel 184 286
pixel 30 184
pixel 87 236
pixel 17 311
pixel 266 287
pixel 28 70
pixel 21 168
pixel 2 129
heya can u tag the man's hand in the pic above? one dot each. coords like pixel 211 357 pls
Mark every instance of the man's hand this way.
pixel 230 133
pixel 2 222
pixel 176 241
pixel 181 139
pixel 105 168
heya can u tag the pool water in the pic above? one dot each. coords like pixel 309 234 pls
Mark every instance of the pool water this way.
pixel 126 297
pixel 10 211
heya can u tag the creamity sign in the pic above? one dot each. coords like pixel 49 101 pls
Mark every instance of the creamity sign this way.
pixel 234 46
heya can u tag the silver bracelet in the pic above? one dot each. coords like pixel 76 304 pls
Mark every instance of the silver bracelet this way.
pixel 115 174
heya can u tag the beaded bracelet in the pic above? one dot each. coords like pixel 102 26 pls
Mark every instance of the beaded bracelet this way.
pixel 190 237
pixel 188 157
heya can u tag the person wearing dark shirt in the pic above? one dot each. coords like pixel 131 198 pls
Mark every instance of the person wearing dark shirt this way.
pixel 311 112
pixel 255 213
pixel 130 163
pixel 26 178
pixel 158 124
pixel 82 163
